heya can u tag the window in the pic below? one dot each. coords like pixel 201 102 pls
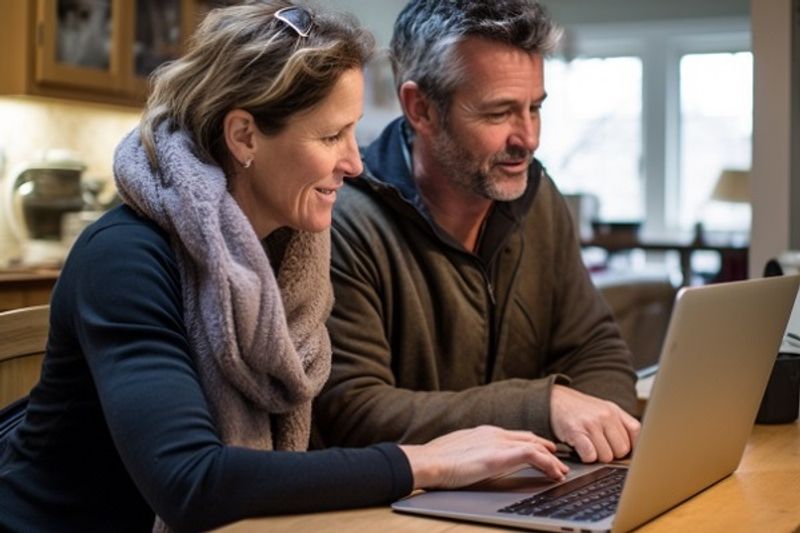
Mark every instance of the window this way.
pixel 716 123
pixel 591 137
pixel 646 115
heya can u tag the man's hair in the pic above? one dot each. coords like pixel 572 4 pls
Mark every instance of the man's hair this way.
pixel 243 57
pixel 427 33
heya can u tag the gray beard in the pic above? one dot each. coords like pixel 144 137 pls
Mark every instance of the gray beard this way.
pixel 468 175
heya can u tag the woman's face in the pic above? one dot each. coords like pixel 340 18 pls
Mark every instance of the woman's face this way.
pixel 295 174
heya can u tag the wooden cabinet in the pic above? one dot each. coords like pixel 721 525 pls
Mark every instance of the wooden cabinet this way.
pixel 92 50
pixel 23 288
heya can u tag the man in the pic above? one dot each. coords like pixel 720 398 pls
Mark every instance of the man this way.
pixel 461 297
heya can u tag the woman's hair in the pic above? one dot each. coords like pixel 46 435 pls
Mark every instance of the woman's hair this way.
pixel 427 34
pixel 244 57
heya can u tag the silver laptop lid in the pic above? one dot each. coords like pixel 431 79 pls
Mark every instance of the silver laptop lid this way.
pixel 714 366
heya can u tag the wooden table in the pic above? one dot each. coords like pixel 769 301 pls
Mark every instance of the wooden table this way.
pixel 733 258
pixel 762 495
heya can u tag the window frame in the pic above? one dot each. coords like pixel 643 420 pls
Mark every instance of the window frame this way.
pixel 660 46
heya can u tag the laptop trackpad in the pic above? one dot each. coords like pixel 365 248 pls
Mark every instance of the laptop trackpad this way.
pixel 530 480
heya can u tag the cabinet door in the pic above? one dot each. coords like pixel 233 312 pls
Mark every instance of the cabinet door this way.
pixel 83 43
pixel 160 31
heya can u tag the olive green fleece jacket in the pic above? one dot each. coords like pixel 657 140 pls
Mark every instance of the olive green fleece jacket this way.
pixel 429 338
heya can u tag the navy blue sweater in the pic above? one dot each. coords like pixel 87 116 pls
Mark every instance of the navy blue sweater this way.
pixel 118 426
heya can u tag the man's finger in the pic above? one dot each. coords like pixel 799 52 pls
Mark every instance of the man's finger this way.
pixel 585 448
pixel 632 426
pixel 618 438
pixel 601 445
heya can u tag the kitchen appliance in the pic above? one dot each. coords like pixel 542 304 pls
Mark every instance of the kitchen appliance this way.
pixel 38 195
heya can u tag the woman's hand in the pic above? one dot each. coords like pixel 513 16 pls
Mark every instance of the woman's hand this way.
pixel 471 455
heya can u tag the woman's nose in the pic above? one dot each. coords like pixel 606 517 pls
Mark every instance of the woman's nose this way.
pixel 351 164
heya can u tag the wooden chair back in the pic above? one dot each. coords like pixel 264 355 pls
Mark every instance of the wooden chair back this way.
pixel 23 336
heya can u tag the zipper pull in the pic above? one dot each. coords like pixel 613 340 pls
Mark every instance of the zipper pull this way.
pixel 491 292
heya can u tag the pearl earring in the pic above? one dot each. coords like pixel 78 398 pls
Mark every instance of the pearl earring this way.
pixel 248 162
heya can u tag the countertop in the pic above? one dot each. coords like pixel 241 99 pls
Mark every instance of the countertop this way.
pixel 28 274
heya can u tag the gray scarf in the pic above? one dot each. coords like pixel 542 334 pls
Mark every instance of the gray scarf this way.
pixel 259 343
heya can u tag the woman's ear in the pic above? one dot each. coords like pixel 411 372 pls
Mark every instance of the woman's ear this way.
pixel 420 112
pixel 240 129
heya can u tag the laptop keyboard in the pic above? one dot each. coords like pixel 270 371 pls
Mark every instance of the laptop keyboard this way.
pixel 589 498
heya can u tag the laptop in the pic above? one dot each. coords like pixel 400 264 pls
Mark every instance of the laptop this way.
pixel 717 356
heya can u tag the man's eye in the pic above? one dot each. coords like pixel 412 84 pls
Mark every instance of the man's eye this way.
pixel 500 115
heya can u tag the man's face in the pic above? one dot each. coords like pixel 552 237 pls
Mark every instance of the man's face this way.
pixel 487 142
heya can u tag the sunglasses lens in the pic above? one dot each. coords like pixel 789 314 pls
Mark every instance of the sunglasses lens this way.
pixel 296 17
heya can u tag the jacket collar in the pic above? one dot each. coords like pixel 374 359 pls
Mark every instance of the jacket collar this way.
pixel 387 167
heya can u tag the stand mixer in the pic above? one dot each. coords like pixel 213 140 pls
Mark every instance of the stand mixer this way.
pixel 38 195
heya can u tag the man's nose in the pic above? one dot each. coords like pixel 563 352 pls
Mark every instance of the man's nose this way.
pixel 526 133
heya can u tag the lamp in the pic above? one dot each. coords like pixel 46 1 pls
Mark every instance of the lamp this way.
pixel 727 212
pixel 732 186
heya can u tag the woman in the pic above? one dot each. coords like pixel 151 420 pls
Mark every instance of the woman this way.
pixel 182 358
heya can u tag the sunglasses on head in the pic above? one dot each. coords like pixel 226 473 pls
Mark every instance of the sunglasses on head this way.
pixel 296 18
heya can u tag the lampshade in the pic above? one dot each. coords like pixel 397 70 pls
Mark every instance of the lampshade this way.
pixel 732 186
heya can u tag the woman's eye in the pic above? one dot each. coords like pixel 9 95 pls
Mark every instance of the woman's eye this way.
pixel 330 139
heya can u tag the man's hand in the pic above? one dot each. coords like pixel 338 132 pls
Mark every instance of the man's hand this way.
pixel 597 429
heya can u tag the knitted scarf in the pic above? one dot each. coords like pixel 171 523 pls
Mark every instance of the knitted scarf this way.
pixel 259 342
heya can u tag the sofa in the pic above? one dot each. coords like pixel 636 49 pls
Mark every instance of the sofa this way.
pixel 642 307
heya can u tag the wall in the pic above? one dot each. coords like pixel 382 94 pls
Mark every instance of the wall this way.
pixel 379 15
pixel 621 11
pixel 775 185
pixel 28 126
